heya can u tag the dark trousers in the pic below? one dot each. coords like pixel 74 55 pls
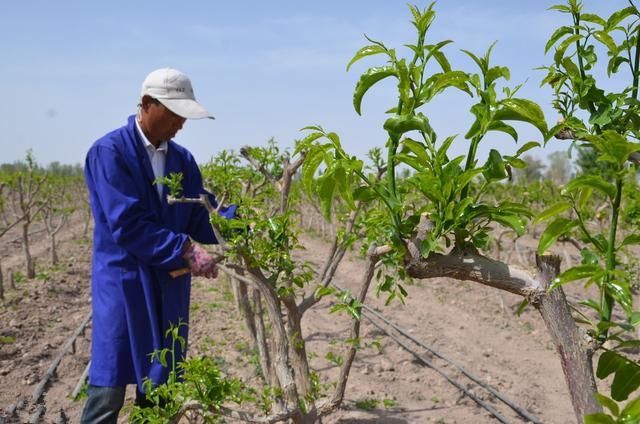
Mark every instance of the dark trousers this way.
pixel 104 403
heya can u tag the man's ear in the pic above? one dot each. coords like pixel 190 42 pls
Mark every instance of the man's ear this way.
pixel 146 101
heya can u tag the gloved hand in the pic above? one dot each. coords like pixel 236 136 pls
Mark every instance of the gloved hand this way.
pixel 201 263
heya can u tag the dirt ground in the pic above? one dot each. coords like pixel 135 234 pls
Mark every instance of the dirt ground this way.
pixel 473 325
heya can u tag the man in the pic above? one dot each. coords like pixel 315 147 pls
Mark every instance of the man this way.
pixel 139 239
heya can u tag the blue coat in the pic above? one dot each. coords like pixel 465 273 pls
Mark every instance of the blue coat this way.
pixel 137 240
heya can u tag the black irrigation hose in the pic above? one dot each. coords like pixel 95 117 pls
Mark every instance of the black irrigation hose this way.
pixel 40 388
pixel 522 412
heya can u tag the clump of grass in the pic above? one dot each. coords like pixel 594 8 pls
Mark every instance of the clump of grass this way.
pixel 367 404
pixel 7 340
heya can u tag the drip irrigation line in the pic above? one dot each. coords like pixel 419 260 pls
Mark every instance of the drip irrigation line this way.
pixel 81 381
pixel 522 412
pixel 39 390
pixel 37 415
pixel 451 380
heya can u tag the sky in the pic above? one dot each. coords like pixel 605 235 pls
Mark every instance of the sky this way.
pixel 72 70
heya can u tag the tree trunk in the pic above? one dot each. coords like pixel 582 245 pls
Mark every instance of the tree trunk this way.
pixel 575 349
pixel 31 268
pixel 575 352
pixel 261 339
pixel 298 357
pixel 242 303
pixel 54 250
pixel 1 283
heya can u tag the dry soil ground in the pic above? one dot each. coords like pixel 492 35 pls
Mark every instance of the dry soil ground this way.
pixel 471 324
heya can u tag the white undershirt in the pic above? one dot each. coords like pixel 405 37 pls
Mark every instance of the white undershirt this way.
pixel 157 157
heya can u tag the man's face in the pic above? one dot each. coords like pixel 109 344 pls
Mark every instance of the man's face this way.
pixel 158 122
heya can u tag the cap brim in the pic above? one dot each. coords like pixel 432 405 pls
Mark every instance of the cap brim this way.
pixel 187 108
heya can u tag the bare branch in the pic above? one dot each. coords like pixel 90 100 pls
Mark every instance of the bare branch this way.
pixel 244 151
pixel 373 256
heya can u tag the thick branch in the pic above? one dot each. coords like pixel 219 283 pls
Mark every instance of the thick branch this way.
pixel 469 265
pixel 574 347
pixel 335 257
pixel 280 347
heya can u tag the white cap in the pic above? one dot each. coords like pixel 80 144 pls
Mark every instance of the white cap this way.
pixel 173 89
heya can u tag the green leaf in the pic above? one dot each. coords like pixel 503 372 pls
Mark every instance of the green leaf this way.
pixel 626 381
pixel 572 69
pixel 417 148
pixel 324 291
pixel 502 127
pixel 480 62
pixel 511 221
pixel 366 51
pixel 522 110
pixel 311 164
pixel 590 17
pixel 590 303
pixel 559 54
pixel 619 16
pixel 400 124
pixel 629 344
pixel 438 82
pixel 326 193
pixel 368 79
pixel 494 169
pixel 631 239
pixel 556 229
pixel 522 306
pixel 588 257
pixel 527 146
pixel 627 374
pixel 606 39
pixel 552 211
pixel 364 194
pixel 608 363
pixel 559 33
pixel 515 162
pixel 631 411
pixel 560 7
pixel 598 418
pixel 595 182
pixel 576 273
pixel 608 403
pixel 495 73
pixel 434 51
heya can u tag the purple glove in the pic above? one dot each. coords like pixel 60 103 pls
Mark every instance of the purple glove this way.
pixel 201 263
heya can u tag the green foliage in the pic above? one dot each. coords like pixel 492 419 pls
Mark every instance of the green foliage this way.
pixel 336 360
pixel 197 379
pixel 173 182
pixel 6 340
pixel 437 185
pixel 367 404
pixel 605 126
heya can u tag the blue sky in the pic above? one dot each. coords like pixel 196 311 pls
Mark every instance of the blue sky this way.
pixel 72 70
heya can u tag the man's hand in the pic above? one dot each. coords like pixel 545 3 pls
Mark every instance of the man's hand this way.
pixel 201 263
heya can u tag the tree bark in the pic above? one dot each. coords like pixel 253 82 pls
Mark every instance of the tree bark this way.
pixel 31 269
pixel 350 354
pixel 575 350
pixel 1 283
pixel 576 353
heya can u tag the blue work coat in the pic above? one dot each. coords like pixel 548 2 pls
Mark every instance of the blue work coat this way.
pixel 138 239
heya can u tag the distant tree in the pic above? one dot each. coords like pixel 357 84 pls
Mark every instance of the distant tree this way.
pixel 587 163
pixel 559 170
pixel 532 173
